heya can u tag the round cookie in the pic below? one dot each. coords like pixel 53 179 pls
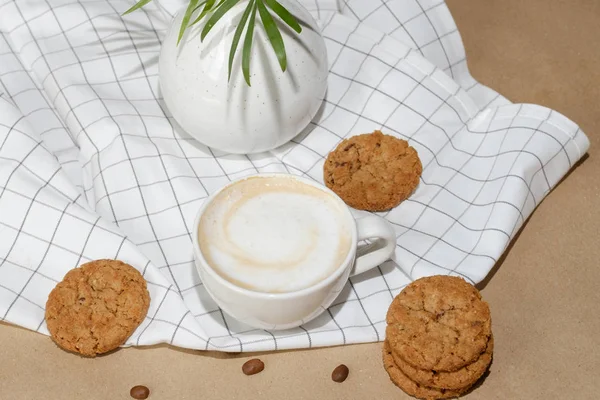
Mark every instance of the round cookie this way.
pixel 464 377
pixel 439 323
pixel 410 387
pixel 373 171
pixel 96 307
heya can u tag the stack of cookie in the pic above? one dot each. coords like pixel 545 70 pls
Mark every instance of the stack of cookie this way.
pixel 439 340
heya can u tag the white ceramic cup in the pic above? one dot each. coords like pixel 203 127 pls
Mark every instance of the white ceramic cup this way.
pixel 277 311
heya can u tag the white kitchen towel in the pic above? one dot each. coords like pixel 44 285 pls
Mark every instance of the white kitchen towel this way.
pixel 92 167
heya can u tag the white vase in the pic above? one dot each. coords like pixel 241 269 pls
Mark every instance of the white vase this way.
pixel 230 115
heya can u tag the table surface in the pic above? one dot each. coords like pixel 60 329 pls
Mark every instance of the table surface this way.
pixel 543 293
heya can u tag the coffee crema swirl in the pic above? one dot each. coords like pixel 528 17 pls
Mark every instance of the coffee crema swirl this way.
pixel 274 234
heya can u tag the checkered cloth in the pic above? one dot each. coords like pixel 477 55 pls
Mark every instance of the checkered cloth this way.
pixel 91 165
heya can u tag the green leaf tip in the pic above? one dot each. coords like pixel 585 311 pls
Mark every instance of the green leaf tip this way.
pixel 186 19
pixel 238 35
pixel 273 34
pixel 248 44
pixel 136 6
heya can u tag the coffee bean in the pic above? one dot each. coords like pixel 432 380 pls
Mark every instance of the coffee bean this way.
pixel 340 373
pixel 253 366
pixel 139 392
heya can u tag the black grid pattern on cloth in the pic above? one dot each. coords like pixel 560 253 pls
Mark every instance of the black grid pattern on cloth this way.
pixel 428 27
pixel 91 165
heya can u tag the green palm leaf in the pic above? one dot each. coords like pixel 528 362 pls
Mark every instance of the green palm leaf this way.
pixel 207 8
pixel 137 5
pixel 248 45
pixel 186 18
pixel 221 8
pixel 284 14
pixel 201 4
pixel 238 35
pixel 273 34
pixel 225 6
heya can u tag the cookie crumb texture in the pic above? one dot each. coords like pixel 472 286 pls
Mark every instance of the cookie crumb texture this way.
pixel 96 307
pixel 413 388
pixel 439 323
pixel 466 376
pixel 373 171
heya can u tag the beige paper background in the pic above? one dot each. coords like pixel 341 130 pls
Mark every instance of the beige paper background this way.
pixel 544 293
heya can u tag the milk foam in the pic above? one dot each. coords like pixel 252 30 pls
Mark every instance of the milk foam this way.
pixel 274 234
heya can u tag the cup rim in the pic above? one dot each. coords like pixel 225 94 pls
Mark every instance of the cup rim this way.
pixel 346 264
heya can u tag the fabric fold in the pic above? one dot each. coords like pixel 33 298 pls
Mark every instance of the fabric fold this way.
pixel 93 166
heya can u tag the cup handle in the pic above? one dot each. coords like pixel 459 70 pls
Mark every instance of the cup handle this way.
pixel 370 256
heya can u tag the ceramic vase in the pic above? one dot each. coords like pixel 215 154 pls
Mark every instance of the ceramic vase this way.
pixel 228 114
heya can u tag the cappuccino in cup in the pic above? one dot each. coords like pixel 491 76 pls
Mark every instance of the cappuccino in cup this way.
pixel 275 234
pixel 274 251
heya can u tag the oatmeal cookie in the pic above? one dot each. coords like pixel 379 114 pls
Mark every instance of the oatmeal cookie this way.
pixel 373 171
pixel 461 378
pixel 439 323
pixel 410 387
pixel 96 307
